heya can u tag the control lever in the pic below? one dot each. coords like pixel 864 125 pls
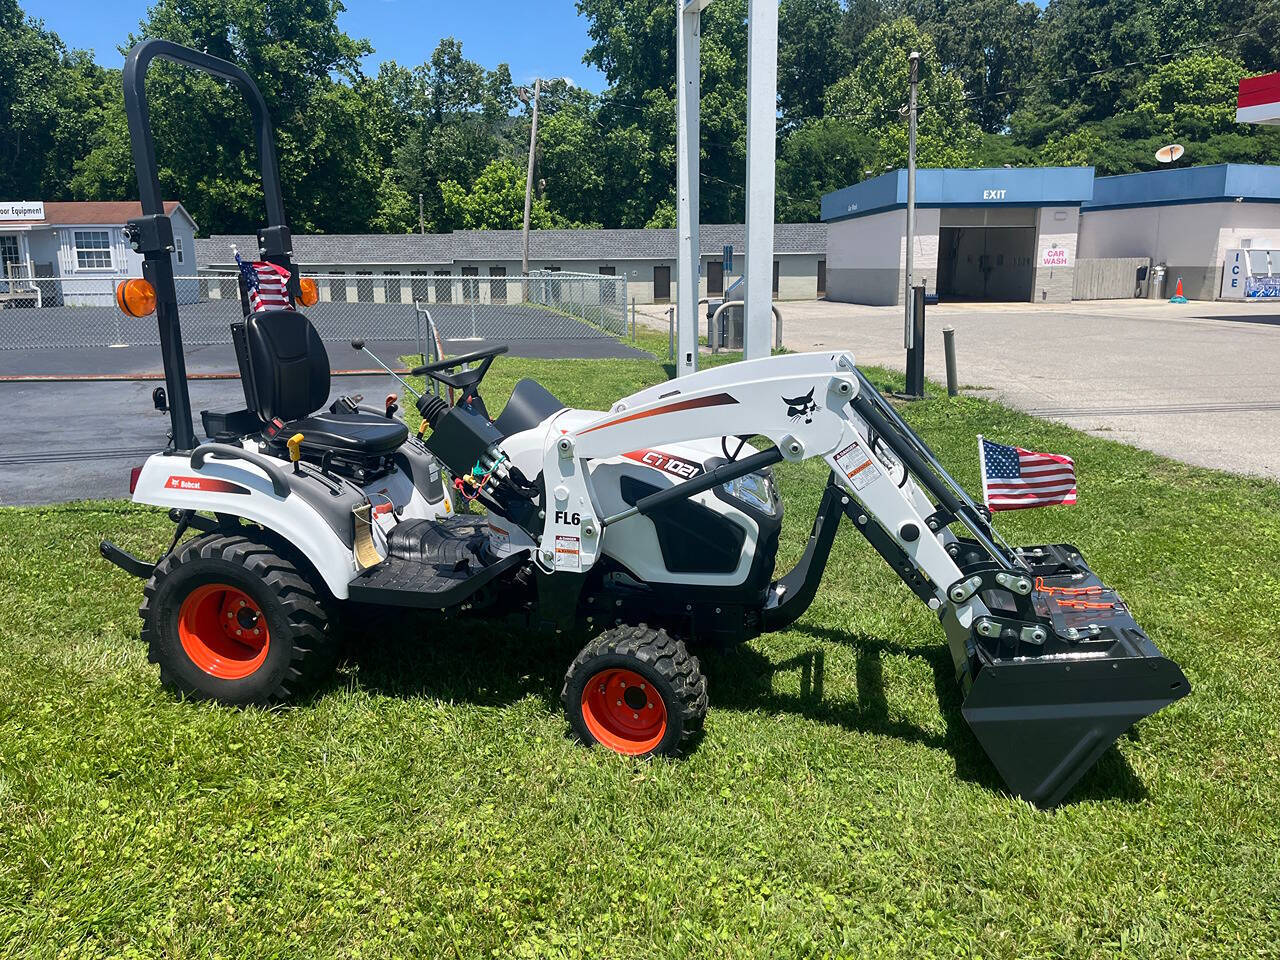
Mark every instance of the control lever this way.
pixel 359 345
pixel 392 405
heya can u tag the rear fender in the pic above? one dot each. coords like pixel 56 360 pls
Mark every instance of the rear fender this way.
pixel 238 488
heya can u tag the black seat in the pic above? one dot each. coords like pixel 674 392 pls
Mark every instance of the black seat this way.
pixel 360 433
pixel 530 404
pixel 290 382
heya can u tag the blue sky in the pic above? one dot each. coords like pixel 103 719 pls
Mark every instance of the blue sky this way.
pixel 535 38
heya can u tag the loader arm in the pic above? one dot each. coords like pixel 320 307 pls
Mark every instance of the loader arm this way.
pixel 1050 679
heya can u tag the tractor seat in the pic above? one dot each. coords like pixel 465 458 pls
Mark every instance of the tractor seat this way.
pixel 290 382
pixel 362 434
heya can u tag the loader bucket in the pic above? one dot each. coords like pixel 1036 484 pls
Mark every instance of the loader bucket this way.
pixel 1045 713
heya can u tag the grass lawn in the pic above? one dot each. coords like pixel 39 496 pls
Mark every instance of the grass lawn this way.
pixel 428 803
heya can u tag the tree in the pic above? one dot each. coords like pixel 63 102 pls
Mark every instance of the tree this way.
pixel 494 202
pixel 988 45
pixel 812 55
pixel 873 94
pixel 1192 98
pixel 51 104
pixel 820 156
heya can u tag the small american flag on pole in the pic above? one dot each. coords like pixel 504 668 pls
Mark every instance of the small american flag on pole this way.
pixel 1014 479
pixel 267 285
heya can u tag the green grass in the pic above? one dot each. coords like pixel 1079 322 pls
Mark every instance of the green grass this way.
pixel 429 804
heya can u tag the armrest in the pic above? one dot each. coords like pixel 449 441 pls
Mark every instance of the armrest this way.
pixel 272 468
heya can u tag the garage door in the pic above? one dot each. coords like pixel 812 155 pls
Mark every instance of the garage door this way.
pixel 986 253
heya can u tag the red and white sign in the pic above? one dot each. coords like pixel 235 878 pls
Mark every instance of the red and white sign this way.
pixel 666 462
pixel 1259 99
pixel 1056 257
pixel 203 485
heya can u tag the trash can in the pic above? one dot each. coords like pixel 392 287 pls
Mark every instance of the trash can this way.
pixel 1155 289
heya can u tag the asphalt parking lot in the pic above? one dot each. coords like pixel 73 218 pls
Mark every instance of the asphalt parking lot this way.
pixel 63 439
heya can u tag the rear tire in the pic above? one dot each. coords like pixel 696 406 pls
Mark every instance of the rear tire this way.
pixel 637 691
pixel 229 619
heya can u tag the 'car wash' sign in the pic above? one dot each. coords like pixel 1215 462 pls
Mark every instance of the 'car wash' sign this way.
pixel 21 210
pixel 1056 256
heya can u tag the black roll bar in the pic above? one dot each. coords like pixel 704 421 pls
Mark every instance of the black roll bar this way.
pixel 139 115
pixel 152 234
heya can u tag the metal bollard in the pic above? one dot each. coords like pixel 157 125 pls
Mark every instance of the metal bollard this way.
pixel 949 348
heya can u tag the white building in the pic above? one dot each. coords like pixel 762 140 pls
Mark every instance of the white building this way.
pixel 646 257
pixel 82 244
pixel 1186 219
pixel 985 234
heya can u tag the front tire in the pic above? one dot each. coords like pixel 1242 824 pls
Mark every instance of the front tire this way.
pixel 637 691
pixel 231 620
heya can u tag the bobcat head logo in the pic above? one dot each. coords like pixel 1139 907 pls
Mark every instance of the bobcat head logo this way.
pixel 798 407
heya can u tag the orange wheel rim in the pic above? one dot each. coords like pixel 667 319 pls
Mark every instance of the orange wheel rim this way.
pixel 624 712
pixel 223 631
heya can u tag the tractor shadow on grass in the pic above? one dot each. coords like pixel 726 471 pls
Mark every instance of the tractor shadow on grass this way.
pixel 743 679
pixel 489 663
pixel 493 663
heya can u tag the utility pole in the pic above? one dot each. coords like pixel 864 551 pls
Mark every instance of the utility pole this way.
pixel 688 148
pixel 422 223
pixel 762 137
pixel 909 299
pixel 528 184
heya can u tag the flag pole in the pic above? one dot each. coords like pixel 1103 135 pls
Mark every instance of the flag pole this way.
pixel 982 462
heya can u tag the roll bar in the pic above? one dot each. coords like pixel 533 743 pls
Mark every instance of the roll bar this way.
pixel 152 234
pixel 139 115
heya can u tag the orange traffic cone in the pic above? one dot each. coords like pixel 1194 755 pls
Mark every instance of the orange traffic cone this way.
pixel 1177 294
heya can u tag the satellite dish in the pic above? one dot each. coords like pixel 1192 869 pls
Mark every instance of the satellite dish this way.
pixel 1170 153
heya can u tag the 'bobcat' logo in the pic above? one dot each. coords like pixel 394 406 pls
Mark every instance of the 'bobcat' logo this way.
pixel 798 407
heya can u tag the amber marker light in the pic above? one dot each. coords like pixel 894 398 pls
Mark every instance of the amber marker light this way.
pixel 136 297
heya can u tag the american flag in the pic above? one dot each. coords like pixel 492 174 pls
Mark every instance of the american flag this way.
pixel 266 284
pixel 1014 479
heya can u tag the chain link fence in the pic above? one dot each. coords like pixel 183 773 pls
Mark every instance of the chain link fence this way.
pixel 81 312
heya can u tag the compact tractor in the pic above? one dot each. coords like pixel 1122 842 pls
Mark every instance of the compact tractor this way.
pixel 651 528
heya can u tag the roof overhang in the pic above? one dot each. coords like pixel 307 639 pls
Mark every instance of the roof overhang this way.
pixel 1220 183
pixel 986 187
pixel 1259 100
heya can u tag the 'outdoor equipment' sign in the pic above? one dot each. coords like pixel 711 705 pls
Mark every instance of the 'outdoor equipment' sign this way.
pixel 21 210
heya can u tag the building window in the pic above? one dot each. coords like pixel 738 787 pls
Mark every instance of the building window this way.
pixel 337 287
pixel 93 250
pixel 498 285
pixel 393 286
pixel 177 248
pixel 364 288
pixel 776 265
pixel 8 254
pixel 822 278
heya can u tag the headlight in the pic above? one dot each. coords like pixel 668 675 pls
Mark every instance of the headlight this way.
pixel 755 490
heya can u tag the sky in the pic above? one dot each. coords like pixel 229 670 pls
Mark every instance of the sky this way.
pixel 536 37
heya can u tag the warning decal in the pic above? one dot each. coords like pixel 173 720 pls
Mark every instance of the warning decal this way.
pixel 856 464
pixel 568 553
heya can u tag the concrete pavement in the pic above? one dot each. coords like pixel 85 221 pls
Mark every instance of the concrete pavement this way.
pixel 1196 382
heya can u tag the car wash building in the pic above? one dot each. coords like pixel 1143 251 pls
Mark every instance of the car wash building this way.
pixel 996 234
pixel 1191 221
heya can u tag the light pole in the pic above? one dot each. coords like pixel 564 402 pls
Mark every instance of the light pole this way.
pixel 909 299
pixel 528 183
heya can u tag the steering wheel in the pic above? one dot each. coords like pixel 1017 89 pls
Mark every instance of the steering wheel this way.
pixel 463 380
